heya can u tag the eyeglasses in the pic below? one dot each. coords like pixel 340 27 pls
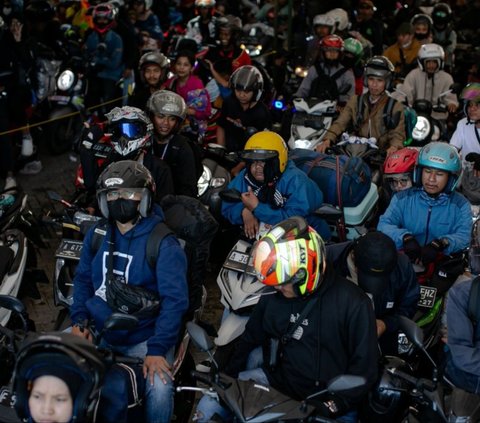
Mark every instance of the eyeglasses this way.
pixel 123 193
pixel 401 182
pixel 129 130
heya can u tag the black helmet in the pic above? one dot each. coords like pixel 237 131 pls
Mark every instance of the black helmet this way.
pixel 40 11
pixel 248 78
pixel 380 67
pixel 387 400
pixel 154 58
pixel 126 174
pixel 69 357
pixel 441 15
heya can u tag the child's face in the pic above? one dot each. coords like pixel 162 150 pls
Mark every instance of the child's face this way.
pixel 50 400
pixel 473 110
pixel 182 67
pixel 244 97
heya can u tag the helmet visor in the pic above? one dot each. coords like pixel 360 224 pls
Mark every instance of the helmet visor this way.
pixel 128 130
pixel 258 155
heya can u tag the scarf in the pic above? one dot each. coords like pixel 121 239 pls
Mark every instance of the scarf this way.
pixel 267 192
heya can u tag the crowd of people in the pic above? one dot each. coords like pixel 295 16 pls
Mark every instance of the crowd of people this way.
pixel 343 300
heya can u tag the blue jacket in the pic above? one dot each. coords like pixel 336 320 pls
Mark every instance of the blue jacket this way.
pixel 302 196
pixel 414 212
pixel 111 60
pixel 168 279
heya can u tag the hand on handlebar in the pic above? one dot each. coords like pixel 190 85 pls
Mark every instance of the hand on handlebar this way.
pixel 322 147
pixel 82 332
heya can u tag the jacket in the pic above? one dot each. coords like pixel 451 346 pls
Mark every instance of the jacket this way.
pixel 372 124
pixel 302 196
pixel 414 212
pixel 401 295
pixel 336 337
pixel 395 52
pixel 168 279
pixel 110 60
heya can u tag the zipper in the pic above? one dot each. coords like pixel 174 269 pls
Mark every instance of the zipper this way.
pixel 428 223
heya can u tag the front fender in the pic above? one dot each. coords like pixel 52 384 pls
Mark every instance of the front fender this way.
pixel 231 328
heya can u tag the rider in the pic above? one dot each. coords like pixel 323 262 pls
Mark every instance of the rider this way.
pixel 429 80
pixel 422 26
pixel 336 336
pixel 430 219
pixel 118 277
pixel 168 110
pixel 398 169
pixel 202 28
pixel 388 130
pixel 328 67
pixel 323 25
pixel 153 68
pixel 443 32
pixel 373 263
pixel 353 59
pixel 272 187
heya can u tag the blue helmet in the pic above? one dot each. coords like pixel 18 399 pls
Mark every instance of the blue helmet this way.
pixel 441 156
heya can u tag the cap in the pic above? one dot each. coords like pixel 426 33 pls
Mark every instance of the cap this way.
pixel 405 28
pixel 375 257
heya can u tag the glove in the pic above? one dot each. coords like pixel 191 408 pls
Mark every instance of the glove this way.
pixel 411 247
pixel 475 159
pixel 430 251
pixel 91 135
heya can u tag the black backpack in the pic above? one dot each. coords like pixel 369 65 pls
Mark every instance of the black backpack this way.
pixel 325 86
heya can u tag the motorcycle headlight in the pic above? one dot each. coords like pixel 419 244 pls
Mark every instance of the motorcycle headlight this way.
pixel 65 80
pixel 421 129
pixel 305 144
pixel 301 71
pixel 204 180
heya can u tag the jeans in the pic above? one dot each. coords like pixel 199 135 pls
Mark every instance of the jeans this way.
pixel 158 397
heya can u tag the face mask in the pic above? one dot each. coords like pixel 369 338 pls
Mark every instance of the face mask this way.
pixel 7 11
pixel 406 45
pixel 421 36
pixel 123 211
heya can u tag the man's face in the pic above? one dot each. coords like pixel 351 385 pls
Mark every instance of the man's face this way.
pixel 224 36
pixel 404 40
pixel 244 97
pixel 434 181
pixel 331 53
pixel 365 11
pixel 473 111
pixel 322 30
pixel 164 125
pixel 431 66
pixel 152 74
pixel 376 85
pixel 256 169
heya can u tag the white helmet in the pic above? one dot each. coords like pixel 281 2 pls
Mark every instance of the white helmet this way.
pixel 324 20
pixel 167 103
pixel 131 129
pixel 340 18
pixel 431 52
pixel 204 3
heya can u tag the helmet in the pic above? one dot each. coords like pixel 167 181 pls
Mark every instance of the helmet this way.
pixel 266 145
pixel 204 3
pixel 291 252
pixel 126 174
pixel 380 67
pixel 441 14
pixel 167 103
pixel 353 46
pixel 421 18
pixel 105 11
pixel 471 92
pixel 340 17
pixel 153 58
pixel 431 52
pixel 39 10
pixel 69 357
pixel 402 161
pixel 248 78
pixel 324 20
pixel 441 156
pixel 388 398
pixel 332 42
pixel 131 129
pixel 148 3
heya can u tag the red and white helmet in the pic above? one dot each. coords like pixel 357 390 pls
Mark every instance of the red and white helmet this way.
pixel 332 42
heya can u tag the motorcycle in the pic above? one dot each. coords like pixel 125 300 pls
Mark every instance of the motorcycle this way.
pixel 251 401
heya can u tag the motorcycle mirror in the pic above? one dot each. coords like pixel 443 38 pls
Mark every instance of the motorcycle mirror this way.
pixel 339 384
pixel 231 195
pixel 12 303
pixel 412 331
pixel 199 337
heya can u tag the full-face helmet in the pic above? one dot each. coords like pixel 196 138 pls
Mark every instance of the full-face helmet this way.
pixel 379 67
pixel 291 252
pixel 398 168
pixel 131 130
pixel 248 78
pixel 167 103
pixel 340 16
pixel 441 156
pixel 130 175
pixel 441 15
pixel 103 16
pixel 68 357
pixel 431 52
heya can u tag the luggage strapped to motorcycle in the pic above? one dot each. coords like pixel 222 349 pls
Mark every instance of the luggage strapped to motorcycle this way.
pixel 474 302
pixel 388 120
pixel 159 232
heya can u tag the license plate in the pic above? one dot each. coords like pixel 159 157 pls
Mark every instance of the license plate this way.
pixel 70 249
pixel 427 296
pixel 239 261
pixel 238 257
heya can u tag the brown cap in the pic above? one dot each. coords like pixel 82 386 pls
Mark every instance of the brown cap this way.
pixel 405 28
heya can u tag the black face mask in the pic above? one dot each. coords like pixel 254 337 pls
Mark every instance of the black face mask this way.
pixel 123 211
pixel 421 36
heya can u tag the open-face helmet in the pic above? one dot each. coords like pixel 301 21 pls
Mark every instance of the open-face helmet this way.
pixel 431 52
pixel 379 67
pixel 471 93
pixel 248 78
pixel 167 103
pixel 153 58
pixel 398 168
pixel 291 252
pixel 441 156
pixel 131 130
pixel 266 146
pixel 324 20
pixel 128 175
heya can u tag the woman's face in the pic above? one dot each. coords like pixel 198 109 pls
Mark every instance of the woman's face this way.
pixel 50 400
pixel 182 67
pixel 256 169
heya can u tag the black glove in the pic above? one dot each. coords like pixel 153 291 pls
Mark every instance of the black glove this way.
pixel 475 159
pixel 411 247
pixel 91 135
pixel 430 251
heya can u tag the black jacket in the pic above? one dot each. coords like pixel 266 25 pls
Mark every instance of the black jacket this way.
pixel 337 337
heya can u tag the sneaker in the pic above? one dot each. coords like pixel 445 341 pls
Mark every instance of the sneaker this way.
pixel 31 168
pixel 10 183
pixel 204 366
pixel 27 146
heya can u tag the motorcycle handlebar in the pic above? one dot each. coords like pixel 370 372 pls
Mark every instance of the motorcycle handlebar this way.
pixel 201 377
pixel 419 383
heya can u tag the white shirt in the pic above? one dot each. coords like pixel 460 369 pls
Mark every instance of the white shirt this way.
pixel 464 138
